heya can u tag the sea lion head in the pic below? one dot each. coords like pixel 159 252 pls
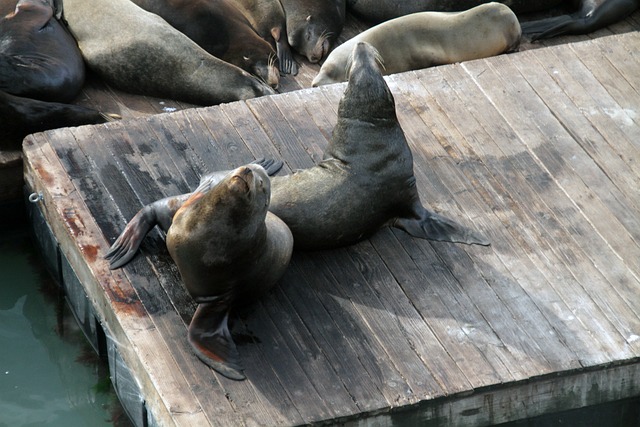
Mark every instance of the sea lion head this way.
pixel 267 70
pixel 314 35
pixel 367 96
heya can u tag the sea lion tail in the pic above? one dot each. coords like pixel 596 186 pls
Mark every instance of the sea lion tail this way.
pixel 436 227
pixel 211 340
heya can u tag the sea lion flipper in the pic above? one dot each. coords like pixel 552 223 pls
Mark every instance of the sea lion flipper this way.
pixel 211 340
pixel 288 65
pixel 432 226
pixel 127 244
pixel 271 166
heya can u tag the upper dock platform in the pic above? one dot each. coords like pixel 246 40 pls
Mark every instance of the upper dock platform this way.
pixel 538 149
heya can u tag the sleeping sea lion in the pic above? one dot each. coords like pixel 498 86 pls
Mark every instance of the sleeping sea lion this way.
pixel 313 26
pixel 591 15
pixel 229 250
pixel 268 19
pixel 426 39
pixel 221 29
pixel 38 57
pixel 22 116
pixel 365 182
pixel 139 52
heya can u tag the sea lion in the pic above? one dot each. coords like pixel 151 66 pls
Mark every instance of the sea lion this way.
pixel 426 39
pixel 229 250
pixel 140 52
pixel 591 16
pixel 22 116
pixel 313 26
pixel 220 28
pixel 365 182
pixel 38 57
pixel 268 19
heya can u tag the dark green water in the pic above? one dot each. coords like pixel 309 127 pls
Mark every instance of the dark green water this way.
pixel 49 375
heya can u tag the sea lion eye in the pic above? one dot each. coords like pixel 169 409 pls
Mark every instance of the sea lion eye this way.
pixel 246 58
pixel 308 18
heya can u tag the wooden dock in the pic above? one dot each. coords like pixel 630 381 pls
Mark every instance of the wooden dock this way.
pixel 538 149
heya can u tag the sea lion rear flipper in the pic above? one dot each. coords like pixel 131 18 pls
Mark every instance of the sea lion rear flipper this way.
pixel 288 65
pixel 432 226
pixel 585 21
pixel 211 340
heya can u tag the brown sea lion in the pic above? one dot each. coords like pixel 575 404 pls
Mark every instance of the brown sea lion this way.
pixel 38 57
pixel 365 182
pixel 220 28
pixel 426 39
pixel 313 26
pixel 268 19
pixel 139 52
pixel 229 250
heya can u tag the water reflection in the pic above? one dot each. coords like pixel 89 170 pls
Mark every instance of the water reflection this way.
pixel 49 375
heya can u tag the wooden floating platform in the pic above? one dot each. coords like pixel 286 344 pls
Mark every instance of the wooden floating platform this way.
pixel 538 149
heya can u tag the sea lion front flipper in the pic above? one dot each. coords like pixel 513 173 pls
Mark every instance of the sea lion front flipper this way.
pixel 429 225
pixel 271 166
pixel 211 340
pixel 288 65
pixel 158 213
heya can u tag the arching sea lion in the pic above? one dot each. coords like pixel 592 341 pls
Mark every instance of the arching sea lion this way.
pixel 365 182
pixel 229 250
pixel 426 39
pixel 38 57
pixel 313 26
pixel 140 52
pixel 221 29
pixel 268 19
pixel 591 15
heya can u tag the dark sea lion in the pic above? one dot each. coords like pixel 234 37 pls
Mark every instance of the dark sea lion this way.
pixel 38 57
pixel 313 26
pixel 365 182
pixel 220 28
pixel 268 19
pixel 22 116
pixel 591 16
pixel 139 52
pixel 426 39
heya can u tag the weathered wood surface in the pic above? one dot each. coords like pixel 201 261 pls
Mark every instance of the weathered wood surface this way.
pixel 536 149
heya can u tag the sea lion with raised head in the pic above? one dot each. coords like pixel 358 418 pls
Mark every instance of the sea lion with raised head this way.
pixel 365 182
pixel 229 250
pixel 220 28
pixel 39 59
pixel 313 26
pixel 139 52
pixel 268 19
pixel 427 39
